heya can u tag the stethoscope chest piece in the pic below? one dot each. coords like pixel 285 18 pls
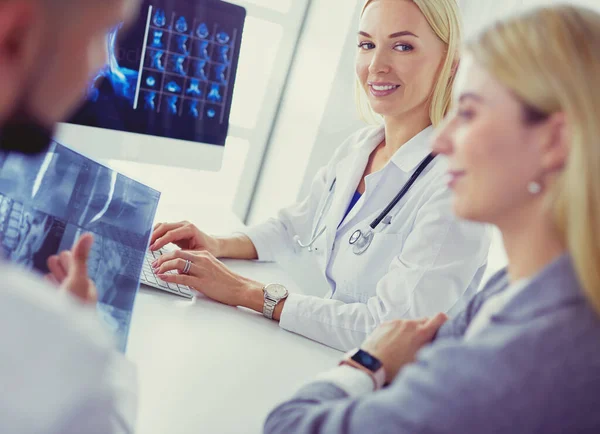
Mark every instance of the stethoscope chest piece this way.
pixel 360 241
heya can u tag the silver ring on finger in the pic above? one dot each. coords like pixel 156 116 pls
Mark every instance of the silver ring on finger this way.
pixel 187 266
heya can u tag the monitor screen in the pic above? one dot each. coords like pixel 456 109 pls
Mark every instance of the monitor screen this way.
pixel 48 201
pixel 170 74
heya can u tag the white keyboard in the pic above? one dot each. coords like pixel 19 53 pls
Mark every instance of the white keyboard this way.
pixel 149 278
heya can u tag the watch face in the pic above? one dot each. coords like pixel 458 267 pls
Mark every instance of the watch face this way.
pixel 367 360
pixel 276 291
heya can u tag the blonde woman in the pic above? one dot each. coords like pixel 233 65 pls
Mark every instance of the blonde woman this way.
pixel 419 259
pixel 524 356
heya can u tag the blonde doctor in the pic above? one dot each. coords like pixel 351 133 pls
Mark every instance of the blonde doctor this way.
pixel 378 219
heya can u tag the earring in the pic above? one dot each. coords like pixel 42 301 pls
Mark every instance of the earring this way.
pixel 534 187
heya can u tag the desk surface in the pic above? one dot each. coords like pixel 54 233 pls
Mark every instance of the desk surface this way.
pixel 209 368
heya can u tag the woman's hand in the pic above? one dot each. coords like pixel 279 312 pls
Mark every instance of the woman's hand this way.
pixel 396 343
pixel 69 271
pixel 185 235
pixel 209 276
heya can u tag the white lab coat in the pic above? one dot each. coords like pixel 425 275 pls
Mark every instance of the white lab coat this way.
pixel 426 261
pixel 58 371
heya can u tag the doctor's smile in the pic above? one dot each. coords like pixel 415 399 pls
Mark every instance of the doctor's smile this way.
pixel 381 89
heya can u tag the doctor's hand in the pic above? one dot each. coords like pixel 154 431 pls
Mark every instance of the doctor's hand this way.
pixel 68 270
pixel 184 235
pixel 207 275
pixel 396 343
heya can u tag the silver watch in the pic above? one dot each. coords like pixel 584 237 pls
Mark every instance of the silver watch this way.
pixel 274 293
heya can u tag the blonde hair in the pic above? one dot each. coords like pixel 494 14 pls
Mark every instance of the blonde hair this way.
pixel 443 17
pixel 550 58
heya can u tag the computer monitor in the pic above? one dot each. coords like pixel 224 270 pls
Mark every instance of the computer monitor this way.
pixel 47 201
pixel 165 95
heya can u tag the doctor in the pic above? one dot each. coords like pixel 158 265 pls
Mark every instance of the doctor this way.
pixel 382 259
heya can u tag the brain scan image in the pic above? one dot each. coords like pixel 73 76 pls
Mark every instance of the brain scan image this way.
pixel 150 81
pixel 149 101
pixel 222 37
pixel 194 88
pixel 159 19
pixel 157 59
pixel 157 40
pixel 177 63
pixel 223 54
pixel 202 31
pixel 193 109
pixel 202 49
pixel 219 71
pixel 215 93
pixel 181 25
pixel 182 42
pixel 172 104
pixel 199 70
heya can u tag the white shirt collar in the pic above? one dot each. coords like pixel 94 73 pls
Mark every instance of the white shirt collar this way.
pixel 408 157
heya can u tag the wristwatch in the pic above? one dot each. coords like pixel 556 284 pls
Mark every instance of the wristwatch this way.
pixel 274 293
pixel 367 363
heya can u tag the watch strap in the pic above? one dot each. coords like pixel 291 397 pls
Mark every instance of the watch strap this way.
pixel 269 307
pixel 378 376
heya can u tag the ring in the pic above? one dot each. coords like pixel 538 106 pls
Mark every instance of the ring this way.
pixel 187 266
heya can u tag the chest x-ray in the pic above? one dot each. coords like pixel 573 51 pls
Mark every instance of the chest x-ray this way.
pixel 48 201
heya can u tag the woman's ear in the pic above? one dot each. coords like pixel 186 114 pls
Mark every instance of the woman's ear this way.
pixel 454 69
pixel 555 145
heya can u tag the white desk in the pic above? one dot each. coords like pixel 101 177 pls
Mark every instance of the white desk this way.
pixel 209 368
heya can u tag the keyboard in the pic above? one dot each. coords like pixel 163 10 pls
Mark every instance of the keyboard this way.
pixel 149 278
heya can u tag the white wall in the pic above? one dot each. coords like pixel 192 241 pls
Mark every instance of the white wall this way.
pixel 307 103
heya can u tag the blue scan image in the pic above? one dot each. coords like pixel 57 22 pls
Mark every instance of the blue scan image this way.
pixel 157 60
pixel 202 31
pixel 219 71
pixel 199 70
pixel 223 54
pixel 172 104
pixel 59 196
pixel 150 81
pixel 123 80
pixel 211 113
pixel 193 109
pixel 157 41
pixel 149 103
pixel 222 37
pixel 194 89
pixel 202 48
pixel 25 230
pixel 181 25
pixel 160 18
pixel 182 44
pixel 173 87
pixel 178 65
pixel 214 93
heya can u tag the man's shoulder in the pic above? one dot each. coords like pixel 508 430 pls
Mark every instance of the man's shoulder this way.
pixel 33 308
pixel 55 355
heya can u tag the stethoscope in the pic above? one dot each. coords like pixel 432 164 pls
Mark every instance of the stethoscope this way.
pixel 361 240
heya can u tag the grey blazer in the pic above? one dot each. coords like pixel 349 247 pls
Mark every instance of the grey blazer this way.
pixel 534 369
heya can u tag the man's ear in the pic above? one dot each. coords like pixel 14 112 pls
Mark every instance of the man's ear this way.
pixel 555 143
pixel 20 38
